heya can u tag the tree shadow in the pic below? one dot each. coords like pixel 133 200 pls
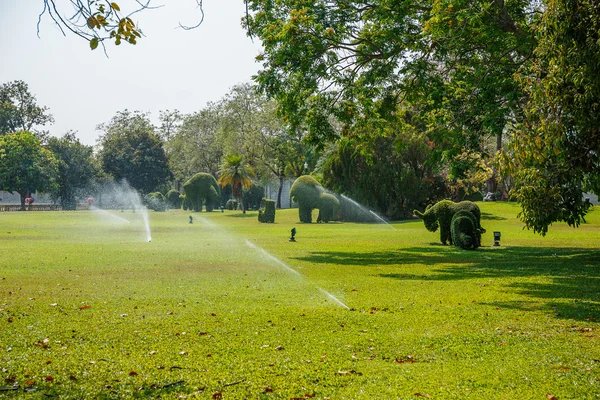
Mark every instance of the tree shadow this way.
pixel 572 288
pixel 574 274
pixel 492 217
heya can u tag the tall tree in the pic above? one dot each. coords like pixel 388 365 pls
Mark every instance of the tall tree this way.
pixel 75 168
pixel 25 165
pixel 131 150
pixel 19 109
pixel 555 153
pixel 196 147
pixel 236 172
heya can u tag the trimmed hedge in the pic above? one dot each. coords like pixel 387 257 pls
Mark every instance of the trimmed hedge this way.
pixel 202 188
pixel 309 194
pixel 441 215
pixel 464 232
pixel 267 212
pixel 173 199
pixel 155 201
pixel 231 204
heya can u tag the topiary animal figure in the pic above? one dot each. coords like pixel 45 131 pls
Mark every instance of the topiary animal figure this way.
pixel 155 201
pixel 309 194
pixel 441 213
pixel 173 199
pixel 201 188
pixel 463 230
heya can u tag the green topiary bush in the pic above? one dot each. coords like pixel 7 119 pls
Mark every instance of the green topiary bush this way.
pixel 155 201
pixel 464 231
pixel 267 212
pixel 231 204
pixel 441 215
pixel 202 188
pixel 309 194
pixel 173 199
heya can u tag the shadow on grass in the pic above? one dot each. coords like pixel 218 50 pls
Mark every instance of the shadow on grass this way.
pixel 492 217
pixel 248 214
pixel 573 274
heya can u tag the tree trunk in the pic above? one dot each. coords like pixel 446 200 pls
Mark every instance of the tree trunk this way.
pixel 279 191
pixel 23 197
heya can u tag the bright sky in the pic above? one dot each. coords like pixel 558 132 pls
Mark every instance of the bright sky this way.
pixel 169 68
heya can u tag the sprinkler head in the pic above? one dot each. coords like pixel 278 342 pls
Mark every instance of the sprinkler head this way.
pixel 292 239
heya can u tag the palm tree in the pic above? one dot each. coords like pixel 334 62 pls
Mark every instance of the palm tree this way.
pixel 235 171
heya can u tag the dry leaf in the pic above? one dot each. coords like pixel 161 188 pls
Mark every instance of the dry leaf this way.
pixel 550 397
pixel 133 373
pixel 422 395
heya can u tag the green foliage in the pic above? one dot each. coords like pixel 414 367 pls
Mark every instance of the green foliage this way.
pixel 201 189
pixel 131 150
pixel 26 166
pixel 173 199
pixel 555 153
pixel 19 110
pixel 440 215
pixel 386 172
pixel 253 196
pixel 155 201
pixel 236 172
pixel 76 169
pixel 267 212
pixel 464 230
pixel 309 194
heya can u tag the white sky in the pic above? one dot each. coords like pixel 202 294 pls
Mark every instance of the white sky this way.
pixel 169 68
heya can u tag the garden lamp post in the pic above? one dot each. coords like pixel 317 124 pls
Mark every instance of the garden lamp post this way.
pixel 496 238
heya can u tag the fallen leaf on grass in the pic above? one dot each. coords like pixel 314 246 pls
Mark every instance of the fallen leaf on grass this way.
pixel 133 373
pixel 422 395
pixel 49 378
pixel 268 390
pixel 550 397
pixel 349 372
pixel 85 307
pixel 72 377
pixel 217 395
pixel 30 382
pixel 408 359
pixel 563 368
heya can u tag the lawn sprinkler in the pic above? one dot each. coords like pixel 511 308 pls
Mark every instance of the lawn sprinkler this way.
pixel 222 209
pixel 292 238
pixel 496 238
pixel 191 219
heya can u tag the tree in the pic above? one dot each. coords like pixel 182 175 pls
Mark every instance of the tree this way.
pixel 235 172
pixel 25 165
pixel 98 21
pixel 196 146
pixel 75 168
pixel 131 150
pixel 555 152
pixel 19 110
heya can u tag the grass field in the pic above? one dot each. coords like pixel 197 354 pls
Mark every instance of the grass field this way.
pixel 229 308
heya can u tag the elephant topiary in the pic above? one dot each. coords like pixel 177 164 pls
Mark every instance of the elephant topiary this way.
pixel 309 194
pixel 201 188
pixel 464 232
pixel 441 213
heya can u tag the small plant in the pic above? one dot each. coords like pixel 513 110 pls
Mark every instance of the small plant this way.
pixel 267 212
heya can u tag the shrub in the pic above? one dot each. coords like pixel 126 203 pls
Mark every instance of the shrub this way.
pixel 202 188
pixel 253 197
pixel 173 199
pixel 267 212
pixel 231 204
pixel 441 215
pixel 464 231
pixel 155 201
pixel 309 194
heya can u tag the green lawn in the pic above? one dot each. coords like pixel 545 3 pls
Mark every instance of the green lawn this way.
pixel 89 309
